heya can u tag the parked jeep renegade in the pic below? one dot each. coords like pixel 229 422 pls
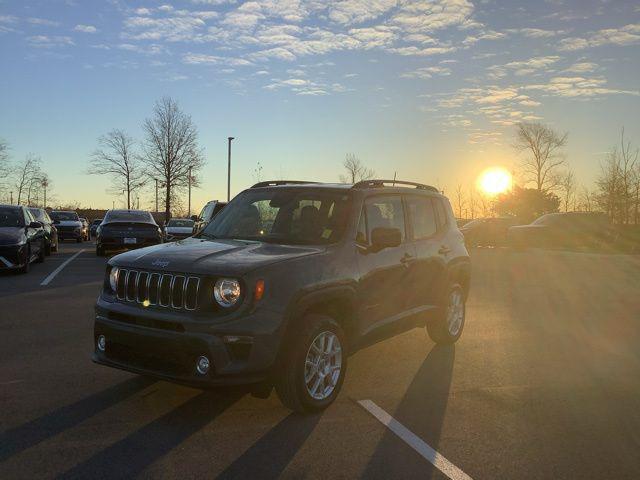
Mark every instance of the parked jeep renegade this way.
pixel 286 282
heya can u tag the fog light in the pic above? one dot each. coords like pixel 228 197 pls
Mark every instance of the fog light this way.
pixel 202 365
pixel 102 343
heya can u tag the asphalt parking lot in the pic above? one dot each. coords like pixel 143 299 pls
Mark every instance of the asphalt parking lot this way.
pixel 544 383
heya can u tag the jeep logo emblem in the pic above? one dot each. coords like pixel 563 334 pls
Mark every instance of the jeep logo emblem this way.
pixel 160 263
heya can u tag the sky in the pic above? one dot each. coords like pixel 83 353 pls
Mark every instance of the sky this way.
pixel 430 89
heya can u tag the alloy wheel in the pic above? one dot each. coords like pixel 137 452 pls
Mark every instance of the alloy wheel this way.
pixel 323 365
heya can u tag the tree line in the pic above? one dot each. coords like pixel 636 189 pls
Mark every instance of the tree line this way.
pixel 544 182
pixel 168 158
pixel 23 181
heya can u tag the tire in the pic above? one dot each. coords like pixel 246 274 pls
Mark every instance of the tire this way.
pixel 41 253
pixel 439 329
pixel 290 378
pixel 47 248
pixel 79 240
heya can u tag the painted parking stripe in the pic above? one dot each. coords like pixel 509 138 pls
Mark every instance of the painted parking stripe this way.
pixel 415 442
pixel 53 274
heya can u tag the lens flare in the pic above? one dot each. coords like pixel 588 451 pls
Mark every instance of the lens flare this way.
pixel 494 181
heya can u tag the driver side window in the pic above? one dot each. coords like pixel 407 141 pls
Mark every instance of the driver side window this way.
pixel 382 212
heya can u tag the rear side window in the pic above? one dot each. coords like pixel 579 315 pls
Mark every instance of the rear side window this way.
pixel 441 211
pixel 384 212
pixel 423 217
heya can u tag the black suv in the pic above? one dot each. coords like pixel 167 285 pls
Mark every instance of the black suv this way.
pixel 287 281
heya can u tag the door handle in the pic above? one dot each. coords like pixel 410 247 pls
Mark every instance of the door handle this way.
pixel 444 250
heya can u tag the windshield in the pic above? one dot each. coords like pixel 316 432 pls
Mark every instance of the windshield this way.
pixel 128 217
pixel 38 214
pixel 65 216
pixel 11 217
pixel 285 216
pixel 180 223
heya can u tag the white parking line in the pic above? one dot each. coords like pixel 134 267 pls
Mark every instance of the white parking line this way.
pixel 415 442
pixel 53 274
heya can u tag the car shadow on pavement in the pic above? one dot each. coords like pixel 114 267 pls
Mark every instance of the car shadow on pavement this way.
pixel 128 457
pixel 422 411
pixel 25 436
pixel 270 455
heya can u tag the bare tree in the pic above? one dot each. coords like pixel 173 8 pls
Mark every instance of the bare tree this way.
pixel 544 153
pixel 459 200
pixel 618 184
pixel 116 158
pixel 587 200
pixel 567 184
pixel 171 149
pixel 356 170
pixel 26 174
pixel 4 163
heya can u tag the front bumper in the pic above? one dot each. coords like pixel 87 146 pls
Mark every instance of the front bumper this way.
pixel 12 257
pixel 166 344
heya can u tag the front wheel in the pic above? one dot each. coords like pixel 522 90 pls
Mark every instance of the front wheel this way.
pixel 313 366
pixel 447 328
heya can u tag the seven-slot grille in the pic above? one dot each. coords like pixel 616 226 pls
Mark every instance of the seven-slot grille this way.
pixel 161 289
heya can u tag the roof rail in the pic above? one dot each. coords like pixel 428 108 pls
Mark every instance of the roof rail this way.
pixel 273 183
pixel 381 183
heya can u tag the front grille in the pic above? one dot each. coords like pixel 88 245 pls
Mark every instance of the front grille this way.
pixel 160 289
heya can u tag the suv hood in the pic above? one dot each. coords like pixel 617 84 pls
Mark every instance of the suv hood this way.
pixel 220 257
pixel 11 235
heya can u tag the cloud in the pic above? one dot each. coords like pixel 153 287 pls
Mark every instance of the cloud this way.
pixel 535 32
pixel 43 21
pixel 303 86
pixel 152 49
pixel 85 28
pixel 521 68
pixel 426 72
pixel 581 67
pixel 202 59
pixel 578 87
pixel 349 12
pixel 45 41
pixel 626 35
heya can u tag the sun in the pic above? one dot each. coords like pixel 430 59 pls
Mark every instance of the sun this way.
pixel 494 181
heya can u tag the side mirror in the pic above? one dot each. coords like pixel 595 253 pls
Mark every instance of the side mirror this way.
pixel 35 225
pixel 382 238
pixel 195 218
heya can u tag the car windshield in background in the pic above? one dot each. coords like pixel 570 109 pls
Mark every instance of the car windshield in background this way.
pixel 128 217
pixel 65 216
pixel 11 217
pixel 285 216
pixel 180 223
pixel 38 214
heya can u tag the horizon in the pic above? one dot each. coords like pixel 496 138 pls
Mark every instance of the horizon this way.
pixel 430 91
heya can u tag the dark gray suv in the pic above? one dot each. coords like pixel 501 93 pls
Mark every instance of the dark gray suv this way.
pixel 283 285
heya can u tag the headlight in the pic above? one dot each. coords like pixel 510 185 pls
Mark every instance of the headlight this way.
pixel 113 278
pixel 227 292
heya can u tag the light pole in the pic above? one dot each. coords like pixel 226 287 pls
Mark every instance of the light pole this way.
pixel 189 207
pixel 156 194
pixel 45 184
pixel 11 193
pixel 229 169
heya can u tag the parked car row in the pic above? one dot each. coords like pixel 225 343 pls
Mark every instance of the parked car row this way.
pixel 553 230
pixel 22 239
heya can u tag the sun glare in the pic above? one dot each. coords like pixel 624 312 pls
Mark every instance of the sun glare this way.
pixel 494 181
